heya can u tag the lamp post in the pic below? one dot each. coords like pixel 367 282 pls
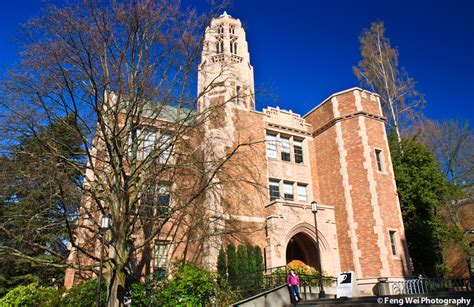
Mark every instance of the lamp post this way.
pixel 314 209
pixel 104 224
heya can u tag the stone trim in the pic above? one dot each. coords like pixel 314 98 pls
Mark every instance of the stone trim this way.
pixel 374 201
pixel 380 106
pixel 356 88
pixel 309 230
pixel 243 218
pixel 297 204
pixel 284 128
pixel 358 101
pixel 346 117
pixel 352 225
pixel 390 170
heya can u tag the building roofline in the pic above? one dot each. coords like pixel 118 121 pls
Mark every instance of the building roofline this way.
pixel 339 93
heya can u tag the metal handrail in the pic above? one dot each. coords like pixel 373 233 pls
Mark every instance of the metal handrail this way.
pixel 250 284
pixel 430 285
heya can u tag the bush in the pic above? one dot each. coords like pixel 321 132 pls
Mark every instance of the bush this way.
pixel 191 286
pixel 308 275
pixel 224 295
pixel 143 294
pixel 32 294
pixel 84 294
pixel 279 277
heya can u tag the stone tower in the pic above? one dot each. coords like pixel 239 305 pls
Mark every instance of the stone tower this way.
pixel 225 69
pixel 225 93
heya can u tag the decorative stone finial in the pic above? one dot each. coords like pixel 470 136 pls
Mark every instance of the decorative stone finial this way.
pixel 225 14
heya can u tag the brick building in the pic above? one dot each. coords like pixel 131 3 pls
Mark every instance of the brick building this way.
pixel 337 155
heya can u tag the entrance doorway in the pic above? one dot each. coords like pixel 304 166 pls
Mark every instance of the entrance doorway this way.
pixel 302 247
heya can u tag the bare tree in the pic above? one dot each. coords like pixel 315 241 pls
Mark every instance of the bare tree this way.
pixel 379 70
pixel 124 72
pixel 453 143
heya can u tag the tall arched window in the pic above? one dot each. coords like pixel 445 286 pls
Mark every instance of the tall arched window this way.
pixel 233 46
pixel 220 45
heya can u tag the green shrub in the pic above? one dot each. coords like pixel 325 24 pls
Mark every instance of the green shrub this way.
pixel 143 294
pixel 279 276
pixel 191 286
pixel 84 294
pixel 31 295
pixel 224 295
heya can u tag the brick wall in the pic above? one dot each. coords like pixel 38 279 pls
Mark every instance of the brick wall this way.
pixel 365 200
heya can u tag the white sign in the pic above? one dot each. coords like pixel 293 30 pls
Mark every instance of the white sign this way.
pixel 347 285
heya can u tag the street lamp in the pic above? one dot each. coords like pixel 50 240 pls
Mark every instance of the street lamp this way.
pixel 104 224
pixel 314 209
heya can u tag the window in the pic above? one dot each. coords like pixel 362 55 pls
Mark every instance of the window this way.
pixel 232 29
pixel 156 200
pixel 298 150
pixel 237 94
pixel 163 199
pixel 148 201
pixel 378 157
pixel 271 146
pixel 302 192
pixel 285 148
pixel 148 143
pixel 233 46
pixel 165 148
pixel 393 242
pixel 274 188
pixel 161 259
pixel 220 29
pixel 288 190
pixel 132 136
pixel 220 45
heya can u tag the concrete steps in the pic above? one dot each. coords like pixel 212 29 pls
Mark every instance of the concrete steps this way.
pixel 432 299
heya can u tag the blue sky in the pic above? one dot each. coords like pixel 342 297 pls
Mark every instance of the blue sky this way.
pixel 303 51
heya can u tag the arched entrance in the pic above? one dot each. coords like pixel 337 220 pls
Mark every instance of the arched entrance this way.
pixel 302 247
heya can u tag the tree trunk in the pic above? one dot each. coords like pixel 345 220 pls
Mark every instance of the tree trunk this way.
pixel 117 275
pixel 116 289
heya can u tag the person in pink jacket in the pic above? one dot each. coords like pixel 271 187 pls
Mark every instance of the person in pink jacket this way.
pixel 293 282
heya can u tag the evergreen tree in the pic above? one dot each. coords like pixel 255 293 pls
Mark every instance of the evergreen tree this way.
pixel 232 265
pixel 243 263
pixel 421 188
pixel 37 199
pixel 242 260
pixel 259 265
pixel 222 264
pixel 252 261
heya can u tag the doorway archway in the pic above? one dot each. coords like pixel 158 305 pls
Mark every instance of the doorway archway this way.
pixel 302 247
